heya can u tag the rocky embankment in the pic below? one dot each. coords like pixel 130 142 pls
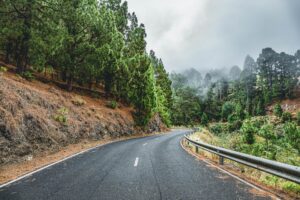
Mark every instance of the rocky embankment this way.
pixel 36 117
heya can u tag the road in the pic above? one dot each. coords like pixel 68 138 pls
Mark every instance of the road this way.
pixel 154 167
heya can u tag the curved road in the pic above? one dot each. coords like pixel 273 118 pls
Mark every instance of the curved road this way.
pixel 154 167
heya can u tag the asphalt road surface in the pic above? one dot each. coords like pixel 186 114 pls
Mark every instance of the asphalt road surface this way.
pixel 155 167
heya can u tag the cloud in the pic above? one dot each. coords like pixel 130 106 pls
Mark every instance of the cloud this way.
pixel 207 34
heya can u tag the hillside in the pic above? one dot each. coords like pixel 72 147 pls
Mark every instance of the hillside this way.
pixel 37 117
pixel 288 105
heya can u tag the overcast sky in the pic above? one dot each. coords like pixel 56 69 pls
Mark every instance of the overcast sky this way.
pixel 207 34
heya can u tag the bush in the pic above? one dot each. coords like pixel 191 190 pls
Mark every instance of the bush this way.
pixel 2 70
pixel 227 109
pixel 27 75
pixel 258 122
pixel 286 117
pixel 298 118
pixel 267 131
pixel 204 119
pixel 260 108
pixel 292 134
pixel 232 118
pixel 112 104
pixel 248 132
pixel 234 126
pixel 216 128
pixel 61 115
pixel 240 113
pixel 277 110
pixel 77 101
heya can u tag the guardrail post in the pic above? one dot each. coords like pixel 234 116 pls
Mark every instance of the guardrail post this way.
pixel 221 160
pixel 197 149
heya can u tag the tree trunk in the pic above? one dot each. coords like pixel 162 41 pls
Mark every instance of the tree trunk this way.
pixel 63 75
pixel 70 82
pixel 8 51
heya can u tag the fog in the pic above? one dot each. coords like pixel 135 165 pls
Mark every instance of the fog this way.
pixel 212 34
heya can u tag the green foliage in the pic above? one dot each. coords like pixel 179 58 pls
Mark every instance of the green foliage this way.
pixel 286 117
pixel 239 111
pixel 218 128
pixel 28 76
pixel 234 125
pixel 292 134
pixel 186 109
pixel 232 118
pixel 204 119
pixel 277 110
pixel 112 104
pixel 144 97
pixel 227 109
pixel 289 186
pixel 278 74
pixel 89 43
pixel 162 106
pixel 61 115
pixel 298 118
pixel 3 69
pixel 267 131
pixel 260 108
pixel 248 132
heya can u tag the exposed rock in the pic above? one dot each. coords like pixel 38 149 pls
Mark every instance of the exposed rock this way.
pixel 36 117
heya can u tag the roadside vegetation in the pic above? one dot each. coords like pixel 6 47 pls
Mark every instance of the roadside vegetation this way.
pixel 257 137
pixel 96 45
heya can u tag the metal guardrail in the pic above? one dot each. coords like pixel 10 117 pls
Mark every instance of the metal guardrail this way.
pixel 282 170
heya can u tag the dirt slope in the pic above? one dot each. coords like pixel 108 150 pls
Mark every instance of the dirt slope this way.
pixel 32 116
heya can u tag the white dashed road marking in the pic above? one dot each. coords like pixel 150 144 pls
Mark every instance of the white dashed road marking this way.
pixel 136 162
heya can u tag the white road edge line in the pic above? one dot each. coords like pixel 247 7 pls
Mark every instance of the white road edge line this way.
pixel 136 162
pixel 234 176
pixel 47 166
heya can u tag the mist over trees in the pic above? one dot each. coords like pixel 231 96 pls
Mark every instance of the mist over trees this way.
pixel 89 43
pixel 235 93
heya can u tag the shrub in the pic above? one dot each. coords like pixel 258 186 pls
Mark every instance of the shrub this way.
pixel 258 122
pixel 298 118
pixel 77 101
pixel 27 75
pixel 240 113
pixel 260 108
pixel 286 117
pixel 267 131
pixel 227 109
pixel 277 110
pixel 232 118
pixel 2 70
pixel 234 126
pixel 204 119
pixel 248 132
pixel 112 104
pixel 292 134
pixel 216 128
pixel 61 115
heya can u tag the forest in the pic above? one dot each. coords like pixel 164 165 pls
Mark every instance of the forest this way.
pixel 88 43
pixel 235 94
pixel 241 109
